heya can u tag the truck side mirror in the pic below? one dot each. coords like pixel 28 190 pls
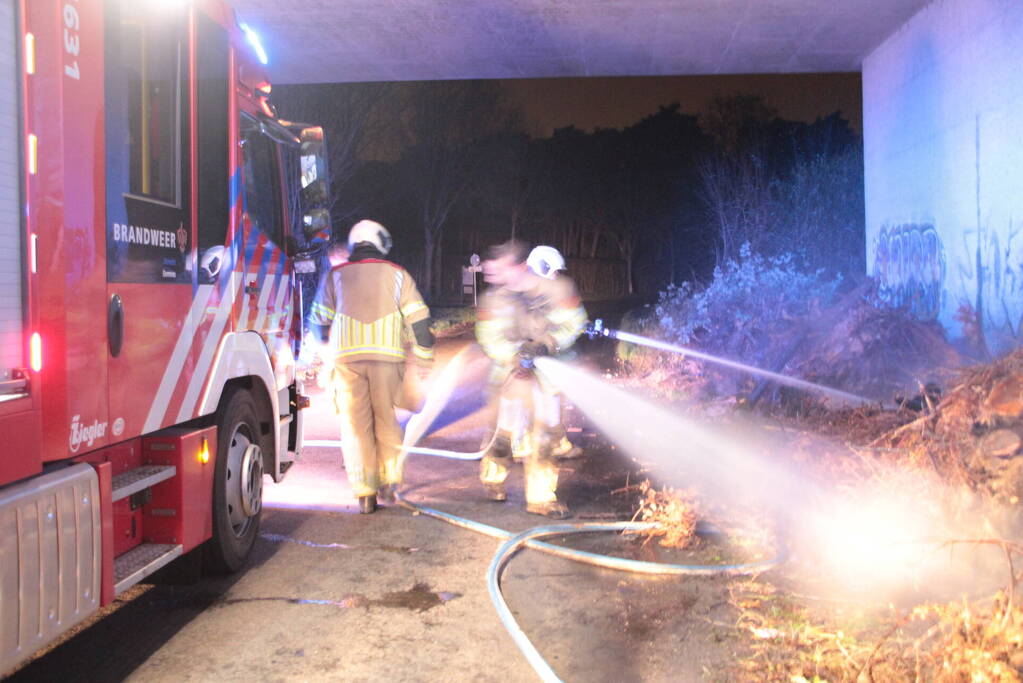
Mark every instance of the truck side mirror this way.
pixel 310 148
pixel 312 157
pixel 315 192
pixel 315 222
pixel 312 136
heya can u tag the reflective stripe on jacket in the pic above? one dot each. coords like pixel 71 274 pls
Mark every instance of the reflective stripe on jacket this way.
pixel 370 306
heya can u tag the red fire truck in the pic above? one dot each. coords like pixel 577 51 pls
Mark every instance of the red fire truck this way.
pixel 151 205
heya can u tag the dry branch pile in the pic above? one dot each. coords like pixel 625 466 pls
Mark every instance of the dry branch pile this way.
pixel 950 643
pixel 974 434
pixel 875 352
pixel 673 511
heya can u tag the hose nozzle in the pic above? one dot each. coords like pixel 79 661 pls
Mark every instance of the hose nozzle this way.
pixel 596 329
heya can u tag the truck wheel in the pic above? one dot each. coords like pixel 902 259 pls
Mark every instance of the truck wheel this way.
pixel 237 484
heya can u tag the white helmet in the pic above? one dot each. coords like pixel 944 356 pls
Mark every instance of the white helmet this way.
pixel 545 261
pixel 372 232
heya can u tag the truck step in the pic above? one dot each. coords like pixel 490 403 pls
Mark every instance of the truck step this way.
pixel 140 562
pixel 140 478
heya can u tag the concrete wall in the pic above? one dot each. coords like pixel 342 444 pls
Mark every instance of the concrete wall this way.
pixel 943 153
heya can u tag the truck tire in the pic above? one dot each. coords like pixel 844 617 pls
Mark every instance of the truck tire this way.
pixel 237 484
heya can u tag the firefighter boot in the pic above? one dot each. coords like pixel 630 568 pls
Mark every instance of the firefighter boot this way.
pixel 367 504
pixel 542 483
pixel 496 492
pixel 553 509
pixel 494 468
pixel 566 450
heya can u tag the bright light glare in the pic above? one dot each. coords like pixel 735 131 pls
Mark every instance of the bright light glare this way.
pixel 884 535
pixel 33 153
pixel 871 540
pixel 255 42
pixel 723 466
pixel 30 54
pixel 36 352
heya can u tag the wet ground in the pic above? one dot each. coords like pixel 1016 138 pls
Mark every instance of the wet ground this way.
pixel 334 595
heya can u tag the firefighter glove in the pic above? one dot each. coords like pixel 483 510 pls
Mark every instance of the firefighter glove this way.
pixel 533 349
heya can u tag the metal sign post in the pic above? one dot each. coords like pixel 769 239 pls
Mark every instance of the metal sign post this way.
pixel 474 267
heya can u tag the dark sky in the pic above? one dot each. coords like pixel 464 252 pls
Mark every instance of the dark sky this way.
pixel 617 102
pixel 606 102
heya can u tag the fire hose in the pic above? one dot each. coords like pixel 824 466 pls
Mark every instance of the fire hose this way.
pixel 529 539
pixel 598 329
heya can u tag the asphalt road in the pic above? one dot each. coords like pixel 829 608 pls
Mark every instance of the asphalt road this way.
pixel 333 595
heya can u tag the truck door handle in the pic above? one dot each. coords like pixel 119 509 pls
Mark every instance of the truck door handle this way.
pixel 115 325
pixel 252 287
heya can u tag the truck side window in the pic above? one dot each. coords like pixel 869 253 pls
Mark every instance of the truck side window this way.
pixel 261 176
pixel 154 77
pixel 147 142
pixel 212 59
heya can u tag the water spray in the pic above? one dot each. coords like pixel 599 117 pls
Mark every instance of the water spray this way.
pixel 598 329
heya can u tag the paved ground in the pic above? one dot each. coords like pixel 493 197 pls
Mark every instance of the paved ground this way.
pixel 334 595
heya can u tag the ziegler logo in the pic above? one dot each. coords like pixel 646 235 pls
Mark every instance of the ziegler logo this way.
pixel 85 433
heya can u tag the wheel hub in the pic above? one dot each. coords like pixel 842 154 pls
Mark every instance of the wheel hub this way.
pixel 252 481
pixel 244 482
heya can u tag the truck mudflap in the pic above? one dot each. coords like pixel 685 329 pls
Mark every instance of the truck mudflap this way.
pixel 50 562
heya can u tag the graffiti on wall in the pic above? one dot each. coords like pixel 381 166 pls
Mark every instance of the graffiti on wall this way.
pixel 991 276
pixel 909 264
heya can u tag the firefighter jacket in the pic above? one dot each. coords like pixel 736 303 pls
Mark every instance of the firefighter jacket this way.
pixel 372 308
pixel 550 312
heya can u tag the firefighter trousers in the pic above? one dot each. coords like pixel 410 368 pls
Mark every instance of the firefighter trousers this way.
pixel 365 394
pixel 548 407
pixel 521 402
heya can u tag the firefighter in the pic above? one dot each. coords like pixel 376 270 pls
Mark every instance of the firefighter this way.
pixel 547 262
pixel 523 316
pixel 312 363
pixel 367 309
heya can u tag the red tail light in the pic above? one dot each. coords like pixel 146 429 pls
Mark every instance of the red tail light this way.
pixel 36 352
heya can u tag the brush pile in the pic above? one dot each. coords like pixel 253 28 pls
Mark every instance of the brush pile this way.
pixel 455 321
pixel 674 513
pixel 873 350
pixel 970 436
pixel 791 639
pixel 974 434
pixel 771 316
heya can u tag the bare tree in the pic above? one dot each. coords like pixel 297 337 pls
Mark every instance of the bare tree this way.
pixel 799 192
pixel 355 118
pixel 511 178
pixel 737 192
pixel 822 194
pixel 526 174
pixel 735 180
pixel 441 122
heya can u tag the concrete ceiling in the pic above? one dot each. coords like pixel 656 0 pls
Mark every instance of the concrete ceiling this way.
pixel 318 41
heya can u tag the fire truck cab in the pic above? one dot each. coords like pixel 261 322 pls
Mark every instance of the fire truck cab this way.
pixel 151 205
